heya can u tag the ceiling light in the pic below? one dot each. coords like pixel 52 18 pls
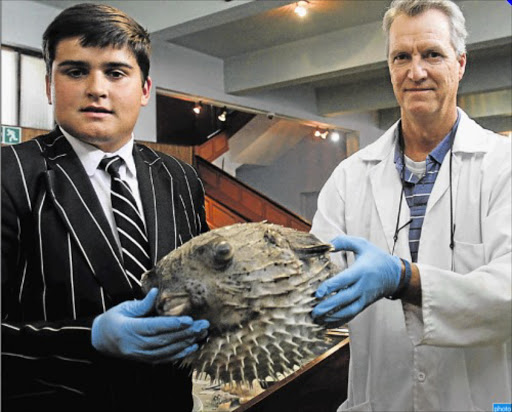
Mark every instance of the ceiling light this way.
pixel 317 133
pixel 197 108
pixel 300 9
pixel 335 136
pixel 222 116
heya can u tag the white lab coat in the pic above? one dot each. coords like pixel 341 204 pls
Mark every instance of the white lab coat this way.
pixel 453 353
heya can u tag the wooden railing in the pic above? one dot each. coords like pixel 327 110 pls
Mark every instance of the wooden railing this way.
pixel 218 215
pixel 213 148
pixel 243 200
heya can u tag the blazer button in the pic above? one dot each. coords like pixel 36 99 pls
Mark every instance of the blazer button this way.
pixel 421 376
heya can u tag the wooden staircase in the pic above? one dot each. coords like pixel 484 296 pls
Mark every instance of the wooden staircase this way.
pixel 229 201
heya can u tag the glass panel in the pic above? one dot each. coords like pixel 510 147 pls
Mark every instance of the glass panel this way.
pixel 35 111
pixel 9 87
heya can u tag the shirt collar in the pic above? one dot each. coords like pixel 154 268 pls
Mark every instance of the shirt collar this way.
pixel 90 156
pixel 442 148
pixel 439 151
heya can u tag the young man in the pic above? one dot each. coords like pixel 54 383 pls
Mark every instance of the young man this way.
pixel 78 231
pixel 426 210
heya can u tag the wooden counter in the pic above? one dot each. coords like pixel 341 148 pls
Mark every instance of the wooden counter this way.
pixel 319 386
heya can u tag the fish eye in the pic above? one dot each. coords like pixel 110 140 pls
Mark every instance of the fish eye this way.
pixel 223 253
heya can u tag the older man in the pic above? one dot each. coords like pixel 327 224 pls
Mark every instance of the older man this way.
pixel 426 211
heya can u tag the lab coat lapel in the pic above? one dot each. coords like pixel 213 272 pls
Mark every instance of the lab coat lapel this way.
pixel 77 204
pixel 442 183
pixel 466 141
pixel 386 189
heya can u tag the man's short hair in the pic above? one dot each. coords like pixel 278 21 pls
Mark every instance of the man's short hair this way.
pixel 412 8
pixel 98 25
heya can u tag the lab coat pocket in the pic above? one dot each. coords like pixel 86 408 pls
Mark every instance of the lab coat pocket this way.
pixel 468 257
pixel 362 407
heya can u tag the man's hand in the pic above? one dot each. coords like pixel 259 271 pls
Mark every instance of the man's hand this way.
pixel 374 274
pixel 125 331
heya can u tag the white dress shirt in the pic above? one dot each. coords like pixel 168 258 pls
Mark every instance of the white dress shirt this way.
pixel 90 156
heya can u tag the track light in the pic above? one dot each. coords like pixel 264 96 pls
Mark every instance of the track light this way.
pixel 335 136
pixel 197 108
pixel 301 9
pixel 320 133
pixel 222 116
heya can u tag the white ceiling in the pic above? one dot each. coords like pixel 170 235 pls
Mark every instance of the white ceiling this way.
pixel 277 26
pixel 337 50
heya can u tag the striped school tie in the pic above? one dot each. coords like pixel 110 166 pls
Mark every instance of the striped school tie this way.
pixel 130 226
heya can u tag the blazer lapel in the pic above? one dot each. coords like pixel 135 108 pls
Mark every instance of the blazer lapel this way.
pixel 78 205
pixel 148 197
pixel 157 200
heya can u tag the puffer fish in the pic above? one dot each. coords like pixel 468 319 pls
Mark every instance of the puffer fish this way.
pixel 255 284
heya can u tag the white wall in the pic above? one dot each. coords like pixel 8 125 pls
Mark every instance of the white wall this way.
pixel 301 170
pixel 24 22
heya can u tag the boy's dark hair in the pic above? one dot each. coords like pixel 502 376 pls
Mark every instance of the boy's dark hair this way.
pixel 98 25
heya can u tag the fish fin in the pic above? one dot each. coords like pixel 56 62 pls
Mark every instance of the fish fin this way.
pixel 307 244
pixel 314 250
pixel 303 243
pixel 149 280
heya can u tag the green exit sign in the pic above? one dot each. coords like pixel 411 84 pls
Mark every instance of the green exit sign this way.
pixel 11 135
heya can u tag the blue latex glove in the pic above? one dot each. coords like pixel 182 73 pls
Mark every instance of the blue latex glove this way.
pixel 373 275
pixel 125 331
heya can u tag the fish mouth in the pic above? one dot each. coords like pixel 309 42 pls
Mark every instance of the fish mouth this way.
pixel 173 304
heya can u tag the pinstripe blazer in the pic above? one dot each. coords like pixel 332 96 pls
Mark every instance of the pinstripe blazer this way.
pixel 61 267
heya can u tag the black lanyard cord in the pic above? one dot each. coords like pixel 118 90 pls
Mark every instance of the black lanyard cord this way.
pixel 402 181
pixel 452 224
pixel 398 229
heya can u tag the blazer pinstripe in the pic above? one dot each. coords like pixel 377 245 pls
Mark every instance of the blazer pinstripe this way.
pixel 61 267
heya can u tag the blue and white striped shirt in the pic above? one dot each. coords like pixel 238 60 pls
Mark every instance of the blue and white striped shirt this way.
pixel 417 189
